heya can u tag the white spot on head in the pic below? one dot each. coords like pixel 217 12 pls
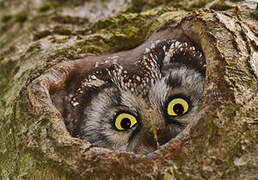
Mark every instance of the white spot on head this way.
pixel 147 50
pixel 75 103
pixel 177 43
pixel 164 48
pixel 97 64
pixel 93 77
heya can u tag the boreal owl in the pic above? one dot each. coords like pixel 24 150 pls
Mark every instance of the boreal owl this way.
pixel 142 106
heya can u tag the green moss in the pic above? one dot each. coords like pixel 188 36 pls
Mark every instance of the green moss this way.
pixel 21 17
pixel 130 31
pixel 2 5
pixel 46 6
pixel 107 23
pixel 7 18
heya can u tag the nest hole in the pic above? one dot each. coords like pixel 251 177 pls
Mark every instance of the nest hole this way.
pixel 133 72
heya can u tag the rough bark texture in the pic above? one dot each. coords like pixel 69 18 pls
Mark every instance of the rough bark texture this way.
pixel 36 35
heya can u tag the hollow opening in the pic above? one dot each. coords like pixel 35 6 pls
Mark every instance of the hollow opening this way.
pixel 135 100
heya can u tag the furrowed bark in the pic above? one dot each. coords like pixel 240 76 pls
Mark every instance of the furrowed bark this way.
pixel 39 42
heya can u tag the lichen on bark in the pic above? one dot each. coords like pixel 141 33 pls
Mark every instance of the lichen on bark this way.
pixel 34 145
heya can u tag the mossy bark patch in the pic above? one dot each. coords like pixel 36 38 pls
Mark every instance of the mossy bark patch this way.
pixel 34 145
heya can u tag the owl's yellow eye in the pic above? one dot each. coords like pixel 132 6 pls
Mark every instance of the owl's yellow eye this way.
pixel 177 106
pixel 124 121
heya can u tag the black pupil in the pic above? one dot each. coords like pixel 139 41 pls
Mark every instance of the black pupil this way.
pixel 178 109
pixel 126 123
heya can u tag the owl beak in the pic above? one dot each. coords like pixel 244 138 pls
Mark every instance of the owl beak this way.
pixel 155 135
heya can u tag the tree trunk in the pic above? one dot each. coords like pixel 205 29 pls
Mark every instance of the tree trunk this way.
pixel 41 42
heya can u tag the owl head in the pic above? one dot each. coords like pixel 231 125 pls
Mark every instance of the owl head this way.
pixel 140 106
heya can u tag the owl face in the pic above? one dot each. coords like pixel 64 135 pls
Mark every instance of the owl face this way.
pixel 141 109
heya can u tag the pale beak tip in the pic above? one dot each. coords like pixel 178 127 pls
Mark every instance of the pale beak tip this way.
pixel 155 134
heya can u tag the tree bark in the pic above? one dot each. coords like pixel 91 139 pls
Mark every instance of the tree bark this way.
pixel 41 43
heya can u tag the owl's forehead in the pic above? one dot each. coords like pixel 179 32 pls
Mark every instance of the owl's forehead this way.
pixel 140 69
